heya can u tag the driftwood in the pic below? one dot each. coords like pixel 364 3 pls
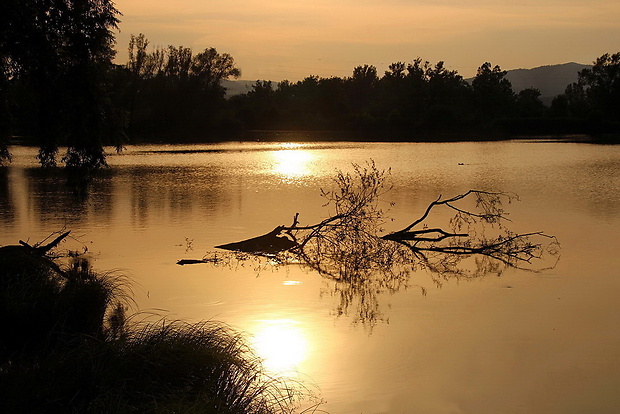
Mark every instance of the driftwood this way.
pixel 270 243
pixel 24 254
pixel 350 242
pixel 184 262
pixel 334 238
pixel 351 247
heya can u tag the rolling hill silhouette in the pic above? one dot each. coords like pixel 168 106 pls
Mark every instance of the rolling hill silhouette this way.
pixel 551 80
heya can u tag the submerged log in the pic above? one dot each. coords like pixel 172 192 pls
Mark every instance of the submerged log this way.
pixel 421 235
pixel 183 262
pixel 269 243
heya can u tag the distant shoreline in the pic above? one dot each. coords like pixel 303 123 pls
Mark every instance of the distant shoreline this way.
pixel 348 136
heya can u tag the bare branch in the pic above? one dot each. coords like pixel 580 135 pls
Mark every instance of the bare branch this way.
pixel 348 246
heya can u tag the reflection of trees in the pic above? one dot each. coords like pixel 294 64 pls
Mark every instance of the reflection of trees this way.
pixel 144 193
pixel 6 202
pixel 172 190
pixel 58 194
pixel 351 248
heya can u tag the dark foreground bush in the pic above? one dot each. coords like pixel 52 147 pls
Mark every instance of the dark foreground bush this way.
pixel 161 368
pixel 67 347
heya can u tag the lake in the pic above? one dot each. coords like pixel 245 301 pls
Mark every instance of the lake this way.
pixel 521 342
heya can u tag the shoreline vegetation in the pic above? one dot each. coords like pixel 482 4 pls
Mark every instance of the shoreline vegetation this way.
pixel 69 346
pixel 60 88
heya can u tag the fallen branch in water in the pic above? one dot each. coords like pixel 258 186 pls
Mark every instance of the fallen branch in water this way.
pixel 184 262
pixel 43 249
pixel 269 243
pixel 486 210
pixel 350 240
pixel 351 247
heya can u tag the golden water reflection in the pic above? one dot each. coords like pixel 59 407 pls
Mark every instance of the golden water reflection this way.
pixel 291 283
pixel 281 343
pixel 292 161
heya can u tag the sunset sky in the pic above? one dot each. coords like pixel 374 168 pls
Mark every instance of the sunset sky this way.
pixel 292 39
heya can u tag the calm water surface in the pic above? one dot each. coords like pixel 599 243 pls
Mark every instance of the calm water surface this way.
pixel 520 343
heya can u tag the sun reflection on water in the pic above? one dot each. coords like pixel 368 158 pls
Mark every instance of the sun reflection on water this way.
pixel 292 161
pixel 281 343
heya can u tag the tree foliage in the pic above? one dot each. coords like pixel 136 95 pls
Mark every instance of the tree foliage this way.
pixel 418 99
pixel 601 86
pixel 60 51
pixel 57 83
pixel 173 92
pixel 409 98
pixel 493 95
pixel 595 96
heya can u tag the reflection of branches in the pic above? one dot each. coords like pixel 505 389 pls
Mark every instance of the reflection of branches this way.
pixel 347 245
pixel 350 248
pixel 512 249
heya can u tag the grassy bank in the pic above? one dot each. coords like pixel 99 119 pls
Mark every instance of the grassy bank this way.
pixel 69 347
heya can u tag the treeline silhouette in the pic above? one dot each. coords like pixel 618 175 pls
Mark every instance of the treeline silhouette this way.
pixel 172 93
pixel 419 100
pixel 59 87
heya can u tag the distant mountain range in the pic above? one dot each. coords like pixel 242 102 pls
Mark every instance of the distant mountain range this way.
pixel 551 80
pixel 238 87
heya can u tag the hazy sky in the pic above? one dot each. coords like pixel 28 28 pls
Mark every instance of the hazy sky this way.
pixel 292 39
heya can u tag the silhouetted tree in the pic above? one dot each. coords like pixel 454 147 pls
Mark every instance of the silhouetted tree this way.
pixel 447 97
pixel 138 56
pixel 529 104
pixel 420 97
pixel 595 95
pixel 392 99
pixel 493 95
pixel 559 107
pixel 175 92
pixel 361 87
pixel 176 63
pixel 62 51
pixel 578 105
pixel 601 87
pixel 210 67
pixel 257 108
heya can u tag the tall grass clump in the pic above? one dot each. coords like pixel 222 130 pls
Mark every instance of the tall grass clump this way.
pixel 68 347
pixel 43 305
